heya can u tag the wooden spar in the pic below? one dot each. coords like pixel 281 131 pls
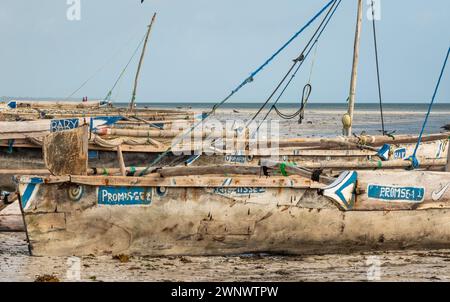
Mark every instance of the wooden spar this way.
pixel 121 162
pixel 294 170
pixel 24 126
pixel 204 170
pixel 57 104
pixel 198 181
pixel 353 142
pixel 351 100
pixel 391 164
pixel 133 97
pixel 447 166
pixel 24 172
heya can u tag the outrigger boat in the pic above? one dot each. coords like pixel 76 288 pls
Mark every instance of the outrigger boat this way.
pixel 217 210
pixel 273 206
pixel 142 135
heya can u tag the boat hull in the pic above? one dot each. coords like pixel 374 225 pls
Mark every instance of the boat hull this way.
pixel 290 215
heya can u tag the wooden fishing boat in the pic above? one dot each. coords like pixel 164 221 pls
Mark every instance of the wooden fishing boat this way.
pixel 273 206
pixel 21 147
pixel 226 209
pixel 217 214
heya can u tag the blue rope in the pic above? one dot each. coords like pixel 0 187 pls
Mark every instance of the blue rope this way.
pixel 413 158
pixel 245 82
pixel 254 73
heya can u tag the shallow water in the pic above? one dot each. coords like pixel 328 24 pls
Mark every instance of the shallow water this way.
pixel 430 265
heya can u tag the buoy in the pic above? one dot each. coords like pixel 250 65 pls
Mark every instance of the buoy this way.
pixel 346 121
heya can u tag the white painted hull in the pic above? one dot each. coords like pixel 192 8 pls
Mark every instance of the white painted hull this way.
pixel 208 215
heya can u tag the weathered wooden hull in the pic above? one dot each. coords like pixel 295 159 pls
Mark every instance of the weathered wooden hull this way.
pixel 209 215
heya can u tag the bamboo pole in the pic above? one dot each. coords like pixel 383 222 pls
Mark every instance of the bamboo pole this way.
pixel 121 162
pixel 133 97
pixel 447 166
pixel 204 170
pixel 392 164
pixel 351 101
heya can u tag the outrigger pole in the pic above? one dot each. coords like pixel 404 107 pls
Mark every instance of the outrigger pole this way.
pixel 133 97
pixel 347 119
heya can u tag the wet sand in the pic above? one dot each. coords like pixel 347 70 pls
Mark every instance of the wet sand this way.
pixel 405 265
pixel 17 265
pixel 328 122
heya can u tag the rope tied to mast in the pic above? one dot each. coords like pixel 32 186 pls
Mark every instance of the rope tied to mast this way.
pixel 378 67
pixel 300 59
pixel 234 91
pixel 414 161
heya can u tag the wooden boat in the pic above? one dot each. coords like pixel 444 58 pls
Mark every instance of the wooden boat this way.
pixel 21 147
pixel 228 209
pixel 217 214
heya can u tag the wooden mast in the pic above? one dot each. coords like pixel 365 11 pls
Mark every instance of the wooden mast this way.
pixel 347 120
pixel 133 97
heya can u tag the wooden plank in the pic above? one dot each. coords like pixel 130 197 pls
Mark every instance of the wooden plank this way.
pixel 11 223
pixel 197 181
pixel 402 190
pixel 66 152
pixel 392 164
pixel 204 170
pixel 121 162
pixel 205 221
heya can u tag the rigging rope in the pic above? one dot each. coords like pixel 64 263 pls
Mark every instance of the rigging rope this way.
pixel 303 57
pixel 108 96
pixel 306 93
pixel 413 158
pixel 245 82
pixel 100 69
pixel 300 58
pixel 378 68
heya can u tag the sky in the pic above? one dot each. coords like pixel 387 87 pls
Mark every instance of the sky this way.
pixel 199 50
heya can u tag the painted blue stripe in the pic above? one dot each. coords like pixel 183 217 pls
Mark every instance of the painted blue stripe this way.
pixel 27 194
pixel 350 180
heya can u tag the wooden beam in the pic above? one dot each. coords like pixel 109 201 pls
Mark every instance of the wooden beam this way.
pixel 204 181
pixel 351 100
pixel 121 162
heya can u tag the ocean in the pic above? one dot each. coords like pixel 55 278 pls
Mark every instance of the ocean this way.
pixel 407 106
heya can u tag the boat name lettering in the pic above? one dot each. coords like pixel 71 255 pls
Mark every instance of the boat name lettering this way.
pixel 64 124
pixel 235 158
pixel 400 153
pixel 124 196
pixel 399 194
pixel 239 190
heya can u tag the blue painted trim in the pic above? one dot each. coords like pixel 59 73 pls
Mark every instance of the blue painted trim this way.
pixel 29 189
pixel 12 104
pixel 191 159
pixel 383 153
pixel 351 180
pixel 157 125
pixel 93 154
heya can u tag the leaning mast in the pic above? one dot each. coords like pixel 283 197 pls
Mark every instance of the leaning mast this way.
pixel 347 119
pixel 133 97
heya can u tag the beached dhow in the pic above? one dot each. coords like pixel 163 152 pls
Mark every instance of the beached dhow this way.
pixel 274 206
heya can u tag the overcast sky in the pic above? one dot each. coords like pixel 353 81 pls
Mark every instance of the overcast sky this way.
pixel 201 49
